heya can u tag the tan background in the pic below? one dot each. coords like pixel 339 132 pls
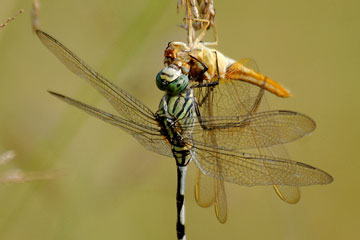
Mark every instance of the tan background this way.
pixel 112 187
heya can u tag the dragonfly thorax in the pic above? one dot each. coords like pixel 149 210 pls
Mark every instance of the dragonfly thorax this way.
pixel 176 111
pixel 172 80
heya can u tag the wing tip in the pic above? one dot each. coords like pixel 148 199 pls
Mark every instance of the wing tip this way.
pixel 39 33
pixel 58 95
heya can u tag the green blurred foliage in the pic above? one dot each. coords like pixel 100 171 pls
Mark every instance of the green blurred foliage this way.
pixel 112 188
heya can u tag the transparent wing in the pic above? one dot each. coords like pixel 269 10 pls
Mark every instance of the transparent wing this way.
pixel 204 190
pixel 236 97
pixel 123 102
pixel 251 169
pixel 289 194
pixel 257 130
pixel 230 97
pixel 209 191
pixel 148 134
pixel 220 200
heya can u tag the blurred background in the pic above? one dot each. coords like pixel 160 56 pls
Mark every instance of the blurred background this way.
pixel 110 186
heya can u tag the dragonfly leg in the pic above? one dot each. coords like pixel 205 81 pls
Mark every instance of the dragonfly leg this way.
pixel 201 35
pixel 217 67
pixel 210 85
pixel 199 74
pixel 205 68
pixel 203 30
pixel 201 85
pixel 215 43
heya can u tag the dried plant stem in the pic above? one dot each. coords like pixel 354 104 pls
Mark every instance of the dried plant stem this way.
pixel 35 15
pixel 10 19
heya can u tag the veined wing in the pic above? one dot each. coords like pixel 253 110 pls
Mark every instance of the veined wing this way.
pixel 289 194
pixel 251 169
pixel 257 130
pixel 147 133
pixel 208 191
pixel 236 97
pixel 264 129
pixel 230 97
pixel 226 99
pixel 123 102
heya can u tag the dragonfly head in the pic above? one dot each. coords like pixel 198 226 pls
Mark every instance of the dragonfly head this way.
pixel 172 80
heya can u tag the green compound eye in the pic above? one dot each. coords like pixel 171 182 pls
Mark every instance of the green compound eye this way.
pixel 159 82
pixel 178 85
pixel 172 80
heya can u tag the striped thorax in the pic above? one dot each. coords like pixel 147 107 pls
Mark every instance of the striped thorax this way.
pixel 176 108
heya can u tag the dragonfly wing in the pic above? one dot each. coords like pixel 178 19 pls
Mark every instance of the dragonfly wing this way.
pixel 215 186
pixel 258 130
pixel 220 200
pixel 209 191
pixel 123 102
pixel 230 97
pixel 288 194
pixel 234 97
pixel 225 99
pixel 147 134
pixel 204 190
pixel 251 169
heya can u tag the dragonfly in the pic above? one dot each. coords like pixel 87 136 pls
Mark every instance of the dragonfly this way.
pixel 178 130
